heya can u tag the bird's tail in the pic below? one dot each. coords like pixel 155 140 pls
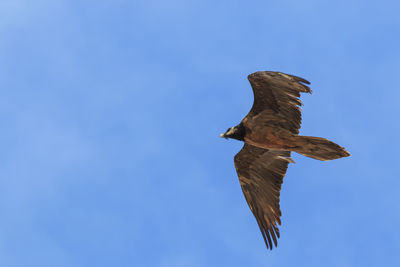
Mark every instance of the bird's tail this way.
pixel 319 148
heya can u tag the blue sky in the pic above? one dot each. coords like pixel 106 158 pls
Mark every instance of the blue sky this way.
pixel 111 113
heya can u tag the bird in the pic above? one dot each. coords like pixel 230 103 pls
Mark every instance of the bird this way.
pixel 270 132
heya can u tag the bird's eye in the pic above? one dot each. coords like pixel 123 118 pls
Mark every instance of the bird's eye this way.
pixel 228 129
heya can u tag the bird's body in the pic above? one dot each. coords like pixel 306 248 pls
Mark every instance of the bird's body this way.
pixel 269 138
pixel 270 132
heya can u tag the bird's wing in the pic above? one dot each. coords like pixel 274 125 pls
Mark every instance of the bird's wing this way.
pixel 276 99
pixel 261 173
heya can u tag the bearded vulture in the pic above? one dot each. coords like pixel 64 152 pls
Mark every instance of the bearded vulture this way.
pixel 270 132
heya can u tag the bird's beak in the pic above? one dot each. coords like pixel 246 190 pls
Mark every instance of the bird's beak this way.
pixel 223 136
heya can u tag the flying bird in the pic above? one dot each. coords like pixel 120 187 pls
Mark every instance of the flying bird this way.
pixel 270 132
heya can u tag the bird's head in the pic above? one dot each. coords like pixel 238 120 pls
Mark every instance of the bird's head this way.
pixel 231 131
pixel 236 132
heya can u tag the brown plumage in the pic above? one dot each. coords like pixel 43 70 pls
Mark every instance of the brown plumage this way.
pixel 270 132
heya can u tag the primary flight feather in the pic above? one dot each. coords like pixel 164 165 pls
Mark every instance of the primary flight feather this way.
pixel 270 132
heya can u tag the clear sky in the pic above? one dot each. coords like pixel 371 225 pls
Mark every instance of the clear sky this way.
pixel 110 116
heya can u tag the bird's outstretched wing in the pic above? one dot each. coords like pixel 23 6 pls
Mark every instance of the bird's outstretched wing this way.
pixel 276 99
pixel 261 173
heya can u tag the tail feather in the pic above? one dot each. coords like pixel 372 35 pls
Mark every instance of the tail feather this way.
pixel 319 148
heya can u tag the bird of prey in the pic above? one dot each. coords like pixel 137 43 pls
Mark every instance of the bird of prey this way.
pixel 270 132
